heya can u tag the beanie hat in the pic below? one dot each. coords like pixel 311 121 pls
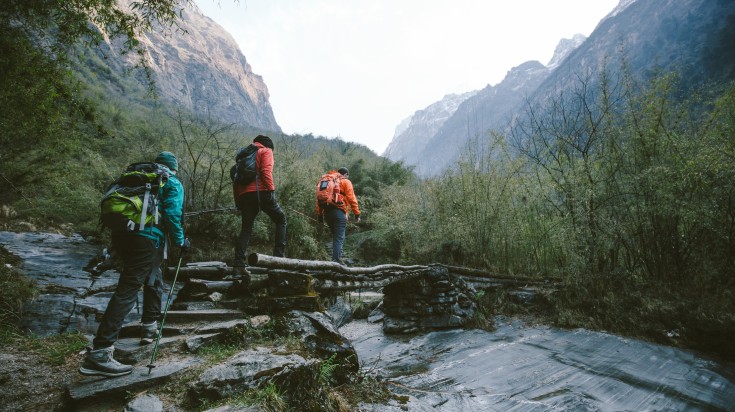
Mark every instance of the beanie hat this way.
pixel 264 140
pixel 168 159
pixel 343 171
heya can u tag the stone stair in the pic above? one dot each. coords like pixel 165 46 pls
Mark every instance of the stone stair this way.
pixel 204 311
pixel 188 326
pixel 91 389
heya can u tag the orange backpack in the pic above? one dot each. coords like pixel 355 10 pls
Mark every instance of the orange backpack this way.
pixel 327 190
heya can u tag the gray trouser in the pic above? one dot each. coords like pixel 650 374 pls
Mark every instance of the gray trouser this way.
pixel 141 259
pixel 250 204
pixel 337 221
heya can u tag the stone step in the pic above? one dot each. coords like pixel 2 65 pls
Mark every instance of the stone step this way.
pixel 218 327
pixel 194 305
pixel 133 330
pixel 206 305
pixel 89 389
pixel 129 350
pixel 209 315
pixel 193 343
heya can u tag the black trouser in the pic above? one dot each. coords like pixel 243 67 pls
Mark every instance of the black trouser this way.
pixel 337 221
pixel 141 259
pixel 250 204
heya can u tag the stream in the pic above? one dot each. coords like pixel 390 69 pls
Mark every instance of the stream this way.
pixel 514 368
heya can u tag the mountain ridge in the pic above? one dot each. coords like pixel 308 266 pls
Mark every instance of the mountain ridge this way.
pixel 637 39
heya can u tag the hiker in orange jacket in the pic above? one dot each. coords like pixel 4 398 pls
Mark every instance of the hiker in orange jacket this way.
pixel 256 196
pixel 336 213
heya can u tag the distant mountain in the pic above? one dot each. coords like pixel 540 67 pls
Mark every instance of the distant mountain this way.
pixel 694 38
pixel 203 70
pixel 436 135
pixel 410 137
pixel 563 49
pixel 486 110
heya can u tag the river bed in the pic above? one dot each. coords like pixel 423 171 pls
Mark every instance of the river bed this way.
pixel 517 367
pixel 522 368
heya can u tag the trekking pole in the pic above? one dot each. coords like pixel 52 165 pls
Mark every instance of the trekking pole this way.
pixel 163 320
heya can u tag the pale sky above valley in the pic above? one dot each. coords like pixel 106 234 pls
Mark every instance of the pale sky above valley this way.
pixel 355 69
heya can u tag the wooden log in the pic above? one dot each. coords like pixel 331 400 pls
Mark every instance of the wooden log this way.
pixel 257 259
pixel 458 270
pixel 210 273
pixel 209 286
pixel 199 288
pixel 200 272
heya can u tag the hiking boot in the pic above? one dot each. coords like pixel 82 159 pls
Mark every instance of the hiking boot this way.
pixel 149 332
pixel 99 362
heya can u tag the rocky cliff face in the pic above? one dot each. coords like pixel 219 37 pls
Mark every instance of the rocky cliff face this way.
pixel 203 70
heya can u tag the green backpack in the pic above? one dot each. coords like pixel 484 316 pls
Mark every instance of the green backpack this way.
pixel 131 201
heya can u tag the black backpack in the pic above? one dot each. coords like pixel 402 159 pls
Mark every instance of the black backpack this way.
pixel 245 170
pixel 131 201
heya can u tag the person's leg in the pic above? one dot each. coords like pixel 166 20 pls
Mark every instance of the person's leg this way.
pixel 152 293
pixel 139 256
pixel 271 207
pixel 337 221
pixel 248 205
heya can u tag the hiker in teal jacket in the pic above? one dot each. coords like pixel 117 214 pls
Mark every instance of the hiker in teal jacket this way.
pixel 142 253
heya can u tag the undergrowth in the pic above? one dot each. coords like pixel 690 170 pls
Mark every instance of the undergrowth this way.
pixel 664 313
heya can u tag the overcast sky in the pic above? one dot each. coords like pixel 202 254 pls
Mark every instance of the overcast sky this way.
pixel 356 68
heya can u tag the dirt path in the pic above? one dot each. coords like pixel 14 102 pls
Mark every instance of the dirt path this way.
pixel 29 384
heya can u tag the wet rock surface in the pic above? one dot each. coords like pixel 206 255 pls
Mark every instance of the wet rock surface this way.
pixel 516 367
pixel 70 299
pixel 524 368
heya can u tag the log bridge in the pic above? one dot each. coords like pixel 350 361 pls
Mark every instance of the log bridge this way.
pixel 415 298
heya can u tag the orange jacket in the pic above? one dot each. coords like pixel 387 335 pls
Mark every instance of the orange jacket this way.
pixel 264 165
pixel 348 192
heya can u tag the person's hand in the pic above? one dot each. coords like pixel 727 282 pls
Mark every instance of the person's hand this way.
pixel 185 248
pixel 357 219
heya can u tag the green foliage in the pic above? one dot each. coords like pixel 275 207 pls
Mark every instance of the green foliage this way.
pixel 15 290
pixel 268 399
pixel 328 370
pixel 56 349
pixel 217 351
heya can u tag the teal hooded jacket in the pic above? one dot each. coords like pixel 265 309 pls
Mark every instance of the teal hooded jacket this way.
pixel 171 204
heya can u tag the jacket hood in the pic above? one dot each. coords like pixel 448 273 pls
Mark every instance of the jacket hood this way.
pixel 168 159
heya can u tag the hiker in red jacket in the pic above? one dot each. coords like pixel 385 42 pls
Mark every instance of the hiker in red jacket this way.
pixel 335 198
pixel 256 196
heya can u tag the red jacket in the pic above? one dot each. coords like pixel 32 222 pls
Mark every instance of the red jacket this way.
pixel 264 165
pixel 348 193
